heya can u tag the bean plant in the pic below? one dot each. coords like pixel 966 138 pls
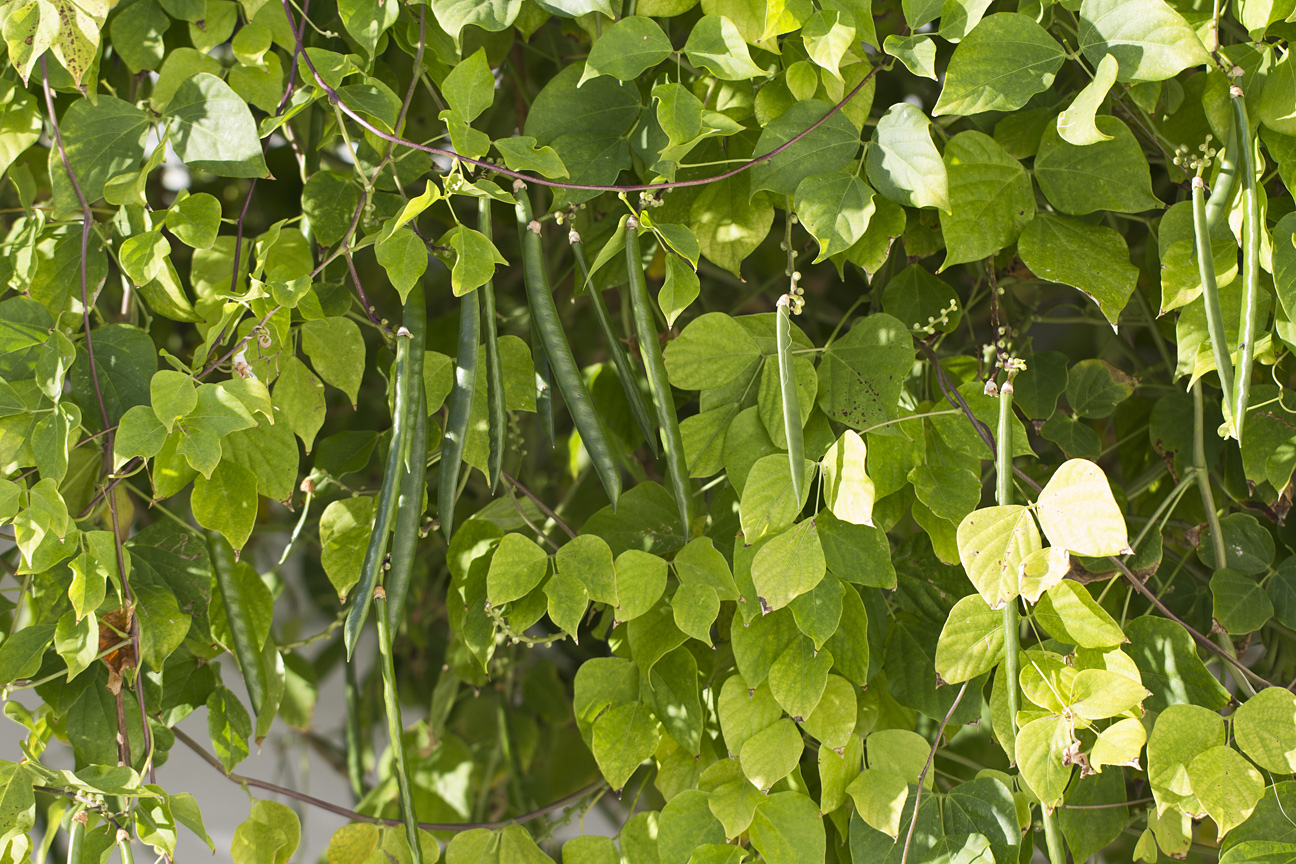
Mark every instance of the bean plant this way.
pixel 798 431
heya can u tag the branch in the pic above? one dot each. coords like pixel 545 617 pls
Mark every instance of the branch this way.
pixel 211 760
pixel 544 508
pixel 336 100
pixel 1203 640
pixel 913 820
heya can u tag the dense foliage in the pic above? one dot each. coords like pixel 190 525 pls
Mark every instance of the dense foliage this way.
pixel 912 491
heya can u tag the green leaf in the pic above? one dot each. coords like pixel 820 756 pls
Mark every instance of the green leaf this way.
pixel 1168 663
pixel 1078 512
pixel 1109 175
pixel 1227 785
pixel 985 806
pixel 299 400
pixel 787 829
pixel 269 836
pixel 828 34
pixel 1091 258
pixel 798 676
pixel 1095 387
pixel 1097 694
pixel 229 727
pixel 1248 546
pixel 713 349
pixel 475 259
pixel 991 198
pixel 195 220
pixel 971 642
pixel 716 45
pixel 590 849
pixel 640 583
pixel 509 845
pixel 1180 734
pixel 17 801
pixel 522 154
pixel 126 359
pixel 918 54
pixel 993 542
pixel 214 129
pixel 623 738
pixel 879 797
pixel 831 147
pixel 518 565
pixel 328 201
pixel 404 257
pixel 772 753
pixel 768 504
pixel 227 502
pixel 1068 613
pixel 1265 728
pixel 818 611
pixel 903 163
pixel 862 373
pixel 138 434
pixel 1241 605
pixel 337 351
pixel 1076 124
pixel 1040 746
pixel 729 221
pixel 101 141
pixel 470 86
pixel 789 565
pixel 1148 38
pixel 627 49
pixel 999 66
pixel 833 720
pixel 835 208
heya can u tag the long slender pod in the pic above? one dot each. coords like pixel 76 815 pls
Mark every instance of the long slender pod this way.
pixel 1222 192
pixel 494 367
pixel 353 735
pixel 413 480
pixel 246 651
pixel 395 728
pixel 658 384
pixel 1251 228
pixel 543 384
pixel 76 838
pixel 388 495
pixel 1210 293
pixel 460 413
pixel 625 370
pixel 791 401
pixel 566 373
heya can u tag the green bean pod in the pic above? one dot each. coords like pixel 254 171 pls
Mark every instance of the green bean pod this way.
pixel 353 735
pixel 791 400
pixel 1222 192
pixel 625 370
pixel 567 374
pixel 1210 294
pixel 76 838
pixel 395 728
pixel 461 398
pixel 494 367
pixel 543 384
pixel 246 651
pixel 658 384
pixel 413 478
pixel 1251 228
pixel 388 495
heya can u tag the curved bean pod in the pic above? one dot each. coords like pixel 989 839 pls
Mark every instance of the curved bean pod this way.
pixel 791 399
pixel 566 373
pixel 460 413
pixel 413 479
pixel 625 371
pixel 658 384
pixel 246 651
pixel 1251 228
pixel 362 593
pixel 494 368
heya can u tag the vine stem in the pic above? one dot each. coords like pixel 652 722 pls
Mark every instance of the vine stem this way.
pixel 395 728
pixel 330 807
pixel 336 100
pixel 544 508
pixel 913 821
pixel 1212 517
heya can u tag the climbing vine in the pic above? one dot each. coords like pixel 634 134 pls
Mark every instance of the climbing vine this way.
pixel 799 430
